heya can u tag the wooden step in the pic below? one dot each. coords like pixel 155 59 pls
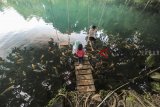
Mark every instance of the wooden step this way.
pixel 85 58
pixel 83 67
pixel 83 72
pixel 84 63
pixel 86 93
pixel 90 88
pixel 84 77
pixel 85 82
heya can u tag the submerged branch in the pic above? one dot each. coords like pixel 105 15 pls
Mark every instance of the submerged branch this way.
pixel 7 90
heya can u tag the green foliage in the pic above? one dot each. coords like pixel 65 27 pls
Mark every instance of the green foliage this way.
pixel 37 72
pixel 156 86
pixel 130 99
pixel 56 99
pixel 150 61
pixel 103 93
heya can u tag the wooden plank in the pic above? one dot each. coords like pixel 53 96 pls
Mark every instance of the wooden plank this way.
pixel 85 82
pixel 90 88
pixel 84 63
pixel 84 77
pixel 84 59
pixel 86 93
pixel 83 72
pixel 82 67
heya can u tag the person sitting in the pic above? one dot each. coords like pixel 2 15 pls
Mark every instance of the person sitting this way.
pixel 80 53
pixel 92 36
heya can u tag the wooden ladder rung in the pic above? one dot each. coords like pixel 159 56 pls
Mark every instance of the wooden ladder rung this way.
pixel 85 82
pixel 84 63
pixel 84 77
pixel 83 72
pixel 83 67
pixel 90 88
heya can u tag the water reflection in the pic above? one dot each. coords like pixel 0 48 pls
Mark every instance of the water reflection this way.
pixel 18 32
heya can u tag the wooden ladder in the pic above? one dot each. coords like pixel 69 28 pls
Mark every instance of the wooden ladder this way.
pixel 84 78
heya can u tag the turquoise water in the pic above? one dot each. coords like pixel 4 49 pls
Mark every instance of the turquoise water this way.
pixel 75 15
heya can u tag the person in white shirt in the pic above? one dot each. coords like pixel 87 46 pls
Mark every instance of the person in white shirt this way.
pixel 92 36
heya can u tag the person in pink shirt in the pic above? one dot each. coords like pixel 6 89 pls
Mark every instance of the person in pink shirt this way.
pixel 80 53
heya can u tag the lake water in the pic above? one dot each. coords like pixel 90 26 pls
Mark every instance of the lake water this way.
pixel 17 32
pixel 35 21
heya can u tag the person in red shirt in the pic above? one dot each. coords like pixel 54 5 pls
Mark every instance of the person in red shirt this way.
pixel 80 53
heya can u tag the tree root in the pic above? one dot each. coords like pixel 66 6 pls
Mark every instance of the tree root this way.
pixel 114 102
pixel 57 97
pixel 112 93
pixel 132 80
pixel 87 99
pixel 138 99
pixel 149 103
pixel 81 99
pixel 76 97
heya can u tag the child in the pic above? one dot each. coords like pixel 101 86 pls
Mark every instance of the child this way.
pixel 80 53
pixel 75 47
pixel 92 36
